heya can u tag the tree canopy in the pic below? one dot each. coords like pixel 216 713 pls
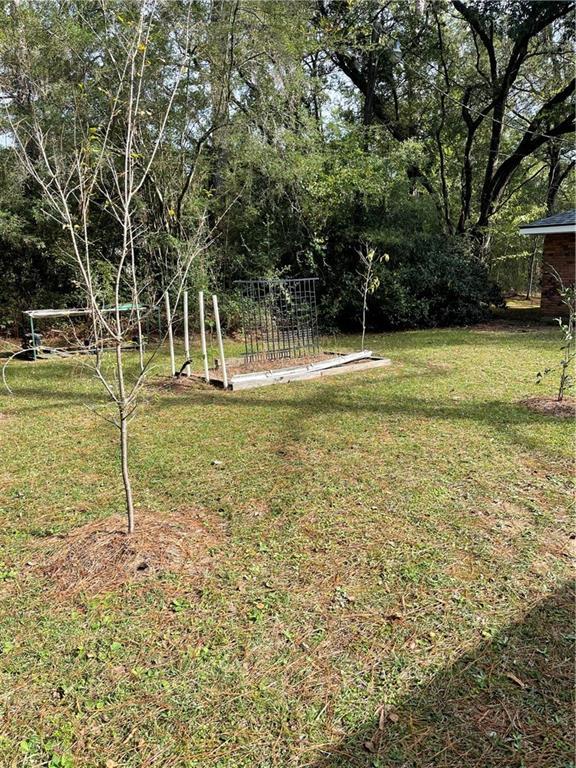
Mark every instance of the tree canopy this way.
pixel 303 132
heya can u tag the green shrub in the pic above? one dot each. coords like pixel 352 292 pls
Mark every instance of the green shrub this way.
pixel 434 282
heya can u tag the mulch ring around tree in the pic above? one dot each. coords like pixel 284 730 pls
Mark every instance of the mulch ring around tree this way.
pixel 549 406
pixel 100 556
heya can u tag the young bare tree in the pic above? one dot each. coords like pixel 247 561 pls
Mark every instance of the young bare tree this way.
pixel 91 149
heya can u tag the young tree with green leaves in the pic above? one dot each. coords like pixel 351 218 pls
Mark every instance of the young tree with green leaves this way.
pixel 567 324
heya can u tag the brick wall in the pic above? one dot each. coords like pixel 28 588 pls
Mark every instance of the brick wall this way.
pixel 559 253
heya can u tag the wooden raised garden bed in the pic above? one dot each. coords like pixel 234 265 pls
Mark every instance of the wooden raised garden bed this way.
pixel 243 375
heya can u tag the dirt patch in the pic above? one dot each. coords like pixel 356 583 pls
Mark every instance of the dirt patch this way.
pixel 255 508
pixel 238 365
pixel 560 545
pixel 178 384
pixel 551 407
pixel 101 556
pixel 556 545
pixel 508 326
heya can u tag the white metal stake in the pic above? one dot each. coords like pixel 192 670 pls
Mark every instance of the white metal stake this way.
pixel 170 335
pixel 220 342
pixel 186 334
pixel 203 336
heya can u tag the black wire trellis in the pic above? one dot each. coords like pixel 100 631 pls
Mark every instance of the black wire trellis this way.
pixel 280 318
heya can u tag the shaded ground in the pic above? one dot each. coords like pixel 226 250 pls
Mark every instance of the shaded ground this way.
pixel 392 542
pixel 502 704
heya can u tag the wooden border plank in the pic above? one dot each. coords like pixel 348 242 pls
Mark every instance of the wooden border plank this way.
pixel 287 376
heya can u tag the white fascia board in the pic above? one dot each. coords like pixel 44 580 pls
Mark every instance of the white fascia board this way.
pixel 557 230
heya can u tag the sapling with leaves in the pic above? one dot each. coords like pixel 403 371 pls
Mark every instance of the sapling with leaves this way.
pixel 369 280
pixel 91 147
pixel 567 324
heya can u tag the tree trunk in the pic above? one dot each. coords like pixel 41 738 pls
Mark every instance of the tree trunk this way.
pixel 370 70
pixel 556 175
pixel 531 274
pixel 123 418
pixel 125 472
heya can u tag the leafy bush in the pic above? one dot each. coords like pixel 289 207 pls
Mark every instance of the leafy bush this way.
pixel 433 283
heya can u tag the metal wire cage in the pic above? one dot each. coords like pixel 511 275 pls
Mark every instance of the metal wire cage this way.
pixel 279 318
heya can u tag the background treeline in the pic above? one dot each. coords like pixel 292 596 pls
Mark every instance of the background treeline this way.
pixel 304 132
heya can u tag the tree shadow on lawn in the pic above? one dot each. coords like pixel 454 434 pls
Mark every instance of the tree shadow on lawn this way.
pixel 503 417
pixel 47 399
pixel 400 342
pixel 322 398
pixel 507 704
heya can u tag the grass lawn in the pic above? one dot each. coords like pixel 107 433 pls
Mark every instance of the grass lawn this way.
pixel 388 582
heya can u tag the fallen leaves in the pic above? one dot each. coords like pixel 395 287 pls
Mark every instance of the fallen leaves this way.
pixel 512 676
pixel 386 716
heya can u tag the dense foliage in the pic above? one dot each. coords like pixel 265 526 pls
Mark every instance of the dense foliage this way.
pixel 305 131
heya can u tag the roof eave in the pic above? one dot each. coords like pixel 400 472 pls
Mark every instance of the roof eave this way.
pixel 557 229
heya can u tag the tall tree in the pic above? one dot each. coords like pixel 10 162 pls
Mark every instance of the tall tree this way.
pixel 475 70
